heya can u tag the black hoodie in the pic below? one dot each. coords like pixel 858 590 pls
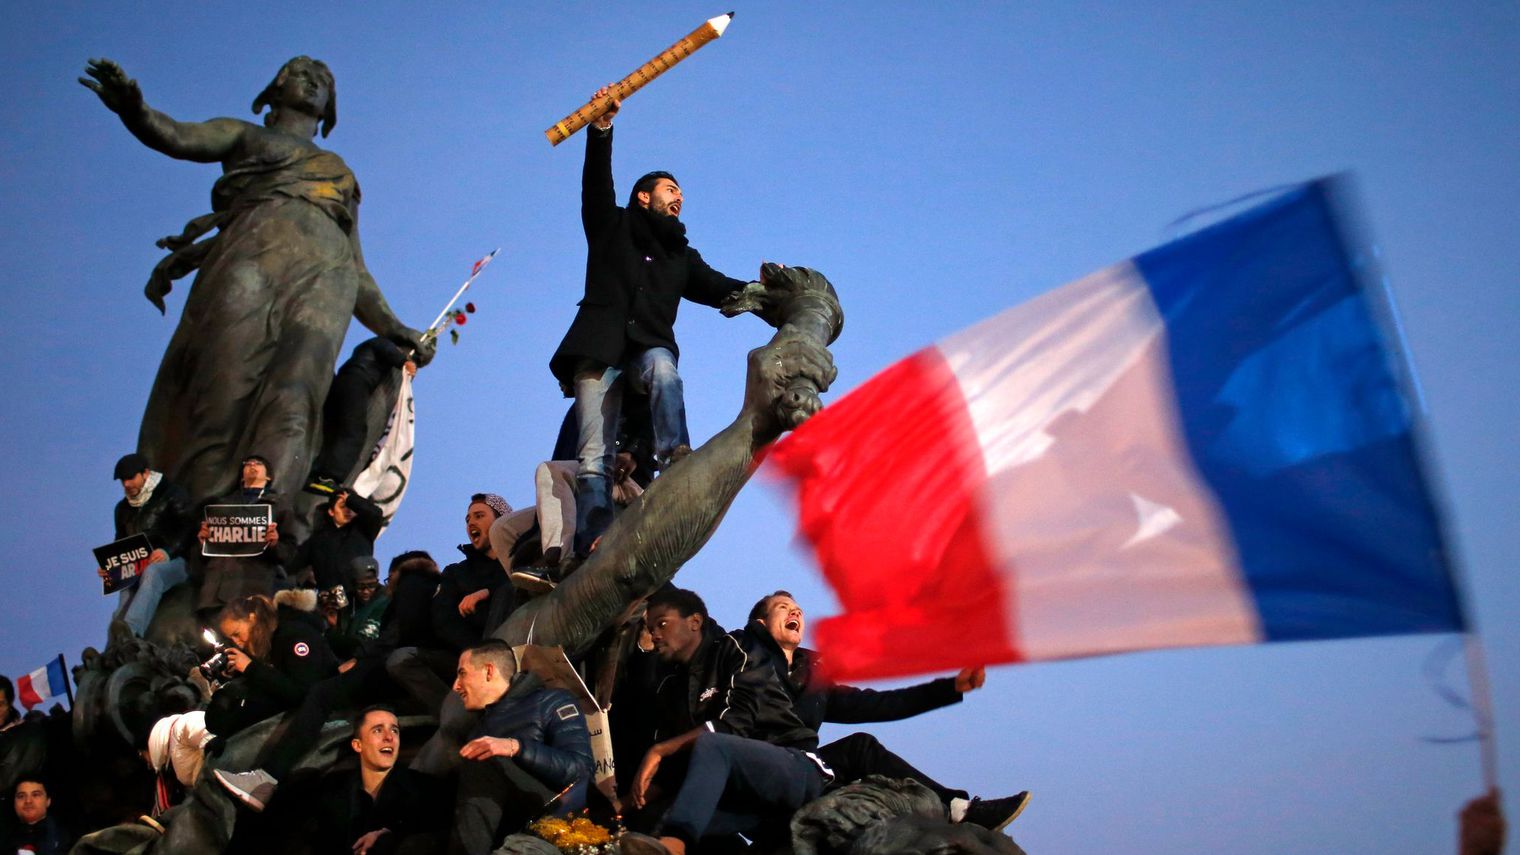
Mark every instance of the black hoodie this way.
pixel 460 579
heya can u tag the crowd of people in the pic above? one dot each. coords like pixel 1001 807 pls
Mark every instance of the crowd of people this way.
pixel 713 735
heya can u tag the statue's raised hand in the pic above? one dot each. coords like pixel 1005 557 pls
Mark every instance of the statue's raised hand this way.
pixel 424 347
pixel 116 90
pixel 785 378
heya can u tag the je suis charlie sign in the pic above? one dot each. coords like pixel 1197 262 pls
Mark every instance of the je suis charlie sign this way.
pixel 123 561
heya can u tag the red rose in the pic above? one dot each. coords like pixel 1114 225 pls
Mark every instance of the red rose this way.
pixel 459 318
pixel 469 307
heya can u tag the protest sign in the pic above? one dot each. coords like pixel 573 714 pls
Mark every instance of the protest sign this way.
pixel 236 531
pixel 123 561
pixel 550 664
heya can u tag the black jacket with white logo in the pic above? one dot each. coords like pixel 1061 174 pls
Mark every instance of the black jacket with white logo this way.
pixel 730 690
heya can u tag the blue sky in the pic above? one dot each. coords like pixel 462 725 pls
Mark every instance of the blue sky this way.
pixel 938 162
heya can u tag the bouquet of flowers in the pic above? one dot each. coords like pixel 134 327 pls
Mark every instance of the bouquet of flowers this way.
pixel 576 835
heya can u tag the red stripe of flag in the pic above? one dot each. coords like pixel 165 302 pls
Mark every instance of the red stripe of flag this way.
pixel 887 483
pixel 25 693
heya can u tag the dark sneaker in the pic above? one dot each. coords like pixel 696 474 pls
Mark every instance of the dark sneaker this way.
pixel 995 814
pixel 256 788
pixel 322 487
pixel 534 580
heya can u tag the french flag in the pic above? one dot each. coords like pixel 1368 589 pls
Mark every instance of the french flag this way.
pixel 46 682
pixel 1210 443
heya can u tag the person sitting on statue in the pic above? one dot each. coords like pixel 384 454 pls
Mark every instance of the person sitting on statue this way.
pixel 411 581
pixel 326 557
pixel 276 656
pixel 474 595
pixel 9 715
pixel 35 831
pixel 775 630
pixel 356 626
pixel 360 679
pixel 553 516
pixel 529 755
pixel 639 267
pixel 470 594
pixel 280 276
pixel 160 509
pixel 225 578
pixel 378 806
pixel 750 761
pixel 344 413
pixel 175 751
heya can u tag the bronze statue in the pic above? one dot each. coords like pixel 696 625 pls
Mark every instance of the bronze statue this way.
pixel 251 360
pixel 662 529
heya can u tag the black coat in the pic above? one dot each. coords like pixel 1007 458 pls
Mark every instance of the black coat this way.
pixel 555 746
pixel 729 689
pixel 47 837
pixel 408 619
pixel 168 519
pixel 330 550
pixel 818 700
pixel 299 658
pixel 408 803
pixel 634 280
pixel 476 571
pixel 372 362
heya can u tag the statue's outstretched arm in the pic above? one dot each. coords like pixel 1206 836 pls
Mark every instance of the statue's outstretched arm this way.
pixel 665 527
pixel 202 142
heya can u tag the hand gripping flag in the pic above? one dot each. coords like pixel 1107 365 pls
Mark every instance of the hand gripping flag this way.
pixel 46 682
pixel 1207 444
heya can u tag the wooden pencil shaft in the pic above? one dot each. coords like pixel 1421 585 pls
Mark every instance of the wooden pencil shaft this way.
pixel 661 63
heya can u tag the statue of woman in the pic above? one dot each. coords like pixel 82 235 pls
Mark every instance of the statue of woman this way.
pixel 250 362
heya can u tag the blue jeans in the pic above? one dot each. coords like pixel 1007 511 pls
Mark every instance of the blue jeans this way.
pixel 598 413
pixel 734 784
pixel 137 604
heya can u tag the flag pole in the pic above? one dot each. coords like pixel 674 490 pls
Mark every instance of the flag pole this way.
pixel 67 692
pixel 432 328
pixel 1482 707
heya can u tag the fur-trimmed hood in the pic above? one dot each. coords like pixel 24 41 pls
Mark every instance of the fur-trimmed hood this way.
pixel 299 599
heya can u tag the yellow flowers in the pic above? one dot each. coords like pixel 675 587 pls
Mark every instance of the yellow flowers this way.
pixel 573 835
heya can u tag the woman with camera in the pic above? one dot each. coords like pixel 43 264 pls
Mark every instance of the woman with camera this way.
pixel 277 655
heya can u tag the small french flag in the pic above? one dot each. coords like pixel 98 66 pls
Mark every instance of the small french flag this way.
pixel 481 264
pixel 46 682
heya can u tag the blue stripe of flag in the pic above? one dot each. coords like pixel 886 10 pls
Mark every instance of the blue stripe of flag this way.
pixel 1296 420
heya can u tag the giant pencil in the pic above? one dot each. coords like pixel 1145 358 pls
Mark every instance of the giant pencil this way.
pixel 710 29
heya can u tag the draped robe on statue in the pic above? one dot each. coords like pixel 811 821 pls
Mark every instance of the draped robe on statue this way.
pixel 252 358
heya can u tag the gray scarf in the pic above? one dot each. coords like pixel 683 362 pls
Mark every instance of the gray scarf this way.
pixel 146 492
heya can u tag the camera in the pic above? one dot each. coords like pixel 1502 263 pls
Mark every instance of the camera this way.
pixel 217 669
pixel 334 599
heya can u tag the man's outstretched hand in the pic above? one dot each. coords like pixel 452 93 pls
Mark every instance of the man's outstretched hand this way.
pixel 970 679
